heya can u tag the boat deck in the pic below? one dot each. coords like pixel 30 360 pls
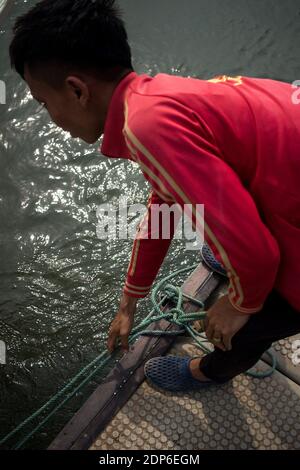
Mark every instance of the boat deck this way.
pixel 247 413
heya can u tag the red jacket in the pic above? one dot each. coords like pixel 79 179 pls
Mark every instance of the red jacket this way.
pixel 232 144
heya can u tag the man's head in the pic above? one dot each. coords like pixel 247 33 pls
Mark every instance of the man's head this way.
pixel 72 54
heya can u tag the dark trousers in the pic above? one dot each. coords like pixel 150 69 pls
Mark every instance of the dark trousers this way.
pixel 277 320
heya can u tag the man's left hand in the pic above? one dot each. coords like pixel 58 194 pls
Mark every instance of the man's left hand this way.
pixel 223 321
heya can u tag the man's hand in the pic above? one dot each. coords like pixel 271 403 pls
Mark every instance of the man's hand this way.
pixel 223 321
pixel 121 325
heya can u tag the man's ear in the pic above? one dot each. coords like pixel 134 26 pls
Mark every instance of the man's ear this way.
pixel 78 89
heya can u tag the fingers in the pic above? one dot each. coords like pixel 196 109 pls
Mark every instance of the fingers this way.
pixel 209 331
pixel 124 342
pixel 214 335
pixel 124 335
pixel 114 334
pixel 219 343
pixel 227 342
pixel 111 342
pixel 218 339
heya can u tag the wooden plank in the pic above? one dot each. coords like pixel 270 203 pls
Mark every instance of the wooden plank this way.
pixel 128 374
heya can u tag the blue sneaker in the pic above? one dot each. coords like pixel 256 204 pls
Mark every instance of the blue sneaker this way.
pixel 210 260
pixel 172 373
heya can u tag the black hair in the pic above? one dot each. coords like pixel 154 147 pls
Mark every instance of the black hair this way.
pixel 85 34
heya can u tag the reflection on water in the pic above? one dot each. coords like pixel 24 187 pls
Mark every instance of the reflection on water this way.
pixel 59 284
pixel 2 4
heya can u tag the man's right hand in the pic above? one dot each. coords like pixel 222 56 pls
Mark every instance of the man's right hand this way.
pixel 121 325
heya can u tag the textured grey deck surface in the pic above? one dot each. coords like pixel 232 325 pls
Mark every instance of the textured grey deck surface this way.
pixel 287 353
pixel 245 414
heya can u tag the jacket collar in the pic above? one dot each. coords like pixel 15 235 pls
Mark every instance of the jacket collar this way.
pixel 113 143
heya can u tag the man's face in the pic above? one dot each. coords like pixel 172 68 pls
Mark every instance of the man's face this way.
pixel 71 107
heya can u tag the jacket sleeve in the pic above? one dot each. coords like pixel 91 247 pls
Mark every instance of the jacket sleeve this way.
pixel 178 154
pixel 153 238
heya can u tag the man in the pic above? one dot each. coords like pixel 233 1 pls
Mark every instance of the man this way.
pixel 230 143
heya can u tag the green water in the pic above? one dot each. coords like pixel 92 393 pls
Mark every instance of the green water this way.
pixel 60 284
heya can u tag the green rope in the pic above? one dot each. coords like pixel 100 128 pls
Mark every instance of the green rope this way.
pixel 174 315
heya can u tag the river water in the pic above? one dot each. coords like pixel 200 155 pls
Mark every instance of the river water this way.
pixel 59 284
